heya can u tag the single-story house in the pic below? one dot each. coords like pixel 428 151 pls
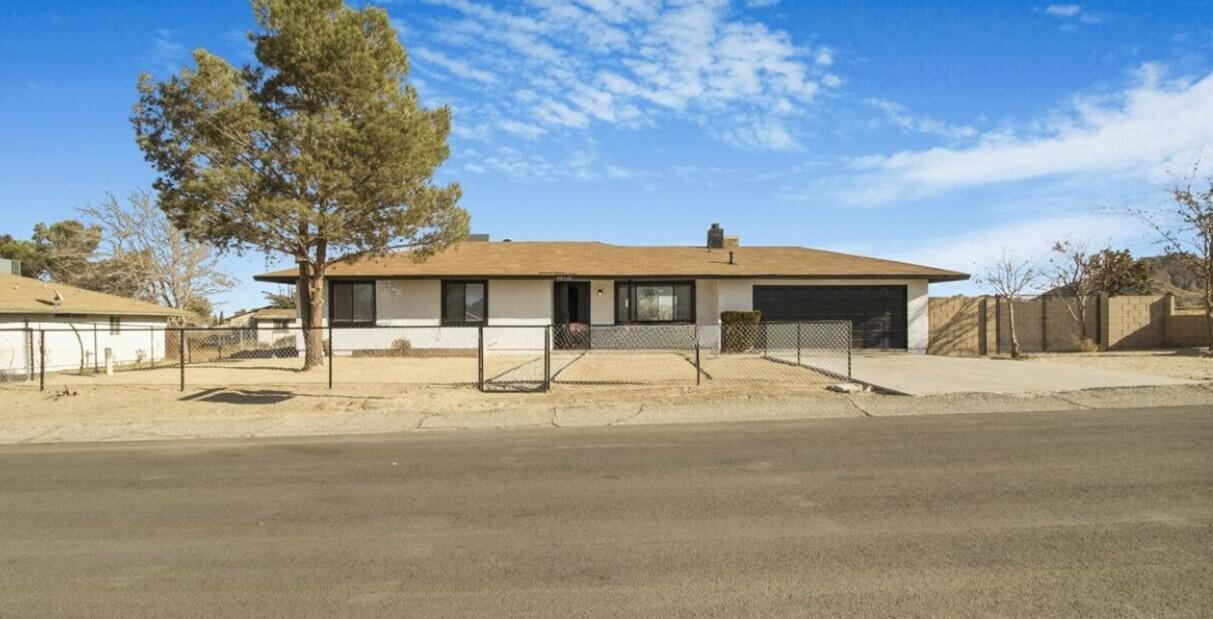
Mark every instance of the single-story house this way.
pixel 80 325
pixel 269 323
pixel 481 282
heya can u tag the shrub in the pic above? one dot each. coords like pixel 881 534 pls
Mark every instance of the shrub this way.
pixel 739 330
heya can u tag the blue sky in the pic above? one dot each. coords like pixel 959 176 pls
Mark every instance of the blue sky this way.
pixel 934 132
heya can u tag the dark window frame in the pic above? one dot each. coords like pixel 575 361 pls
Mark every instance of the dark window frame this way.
pixel 353 323
pixel 632 284
pixel 462 322
pixel 115 325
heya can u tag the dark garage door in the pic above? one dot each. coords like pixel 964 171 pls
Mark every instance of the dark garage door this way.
pixel 877 313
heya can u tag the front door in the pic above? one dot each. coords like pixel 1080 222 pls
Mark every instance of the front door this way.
pixel 571 315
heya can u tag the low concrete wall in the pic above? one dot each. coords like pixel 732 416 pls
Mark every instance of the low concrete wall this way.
pixel 1187 328
pixel 975 326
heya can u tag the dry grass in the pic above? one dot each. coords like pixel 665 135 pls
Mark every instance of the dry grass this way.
pixel 1189 363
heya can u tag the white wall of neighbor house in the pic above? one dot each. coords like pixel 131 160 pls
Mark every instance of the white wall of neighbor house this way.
pixel 78 340
pixel 738 295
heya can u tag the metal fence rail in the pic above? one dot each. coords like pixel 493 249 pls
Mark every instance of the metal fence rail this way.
pixel 522 358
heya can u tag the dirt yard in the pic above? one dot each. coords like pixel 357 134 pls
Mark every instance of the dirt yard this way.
pixel 123 403
pixel 1190 363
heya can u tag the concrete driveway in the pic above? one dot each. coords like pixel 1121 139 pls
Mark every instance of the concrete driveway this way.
pixel 916 374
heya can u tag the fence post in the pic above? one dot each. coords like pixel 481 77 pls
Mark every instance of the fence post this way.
pixel 850 347
pixel 547 358
pixel 997 324
pixel 798 343
pixel 480 357
pixel 698 371
pixel 41 360
pixel 151 345
pixel 96 367
pixel 332 359
pixel 181 356
pixel 1044 323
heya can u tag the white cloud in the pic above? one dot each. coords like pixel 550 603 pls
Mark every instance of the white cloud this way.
pixel 1028 239
pixel 455 67
pixel 629 62
pixel 1070 13
pixel 1063 10
pixel 760 4
pixel 522 129
pixel 1151 126
pixel 167 55
pixel 898 116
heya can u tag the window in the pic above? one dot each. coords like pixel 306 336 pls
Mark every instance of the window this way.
pixel 465 303
pixel 352 303
pixel 654 302
pixel 115 325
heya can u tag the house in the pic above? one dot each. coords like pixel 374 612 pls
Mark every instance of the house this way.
pixel 79 326
pixel 269 323
pixel 480 282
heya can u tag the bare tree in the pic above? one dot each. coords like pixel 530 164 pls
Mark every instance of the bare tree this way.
pixel 1071 276
pixel 1010 277
pixel 174 270
pixel 1186 231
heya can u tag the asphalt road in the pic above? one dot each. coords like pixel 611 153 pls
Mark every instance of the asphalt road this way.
pixel 1099 513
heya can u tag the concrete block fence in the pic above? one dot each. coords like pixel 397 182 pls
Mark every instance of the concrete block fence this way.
pixel 978 326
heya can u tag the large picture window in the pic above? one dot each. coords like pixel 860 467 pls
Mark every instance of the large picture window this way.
pixel 352 303
pixel 465 303
pixel 644 302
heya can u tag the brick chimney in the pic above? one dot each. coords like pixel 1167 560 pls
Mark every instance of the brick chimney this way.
pixel 715 237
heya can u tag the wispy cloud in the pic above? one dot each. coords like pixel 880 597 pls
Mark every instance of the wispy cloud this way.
pixel 166 55
pixel 897 115
pixel 1028 238
pixel 1062 10
pixel 1071 14
pixel 560 65
pixel 1153 125
pixel 455 67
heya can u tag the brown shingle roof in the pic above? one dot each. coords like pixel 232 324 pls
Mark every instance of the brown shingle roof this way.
pixel 274 313
pixel 533 259
pixel 25 295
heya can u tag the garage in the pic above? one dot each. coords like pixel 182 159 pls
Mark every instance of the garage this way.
pixel 877 313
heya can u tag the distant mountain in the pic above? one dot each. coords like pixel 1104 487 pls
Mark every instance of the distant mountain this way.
pixel 1173 276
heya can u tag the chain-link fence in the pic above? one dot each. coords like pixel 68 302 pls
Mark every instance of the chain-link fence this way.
pixel 493 358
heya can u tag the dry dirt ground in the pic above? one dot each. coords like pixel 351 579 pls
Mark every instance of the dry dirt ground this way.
pixel 1190 363
pixel 131 403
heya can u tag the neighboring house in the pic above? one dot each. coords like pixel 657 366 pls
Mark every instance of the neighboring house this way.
pixel 270 323
pixel 79 326
pixel 479 282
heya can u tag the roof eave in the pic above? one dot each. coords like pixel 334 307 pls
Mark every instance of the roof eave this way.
pixel 930 277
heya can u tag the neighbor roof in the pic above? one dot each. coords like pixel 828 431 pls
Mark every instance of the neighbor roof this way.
pixel 25 295
pixel 547 260
pixel 274 313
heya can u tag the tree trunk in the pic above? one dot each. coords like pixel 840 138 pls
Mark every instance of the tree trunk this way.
pixel 1011 324
pixel 1209 319
pixel 311 308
